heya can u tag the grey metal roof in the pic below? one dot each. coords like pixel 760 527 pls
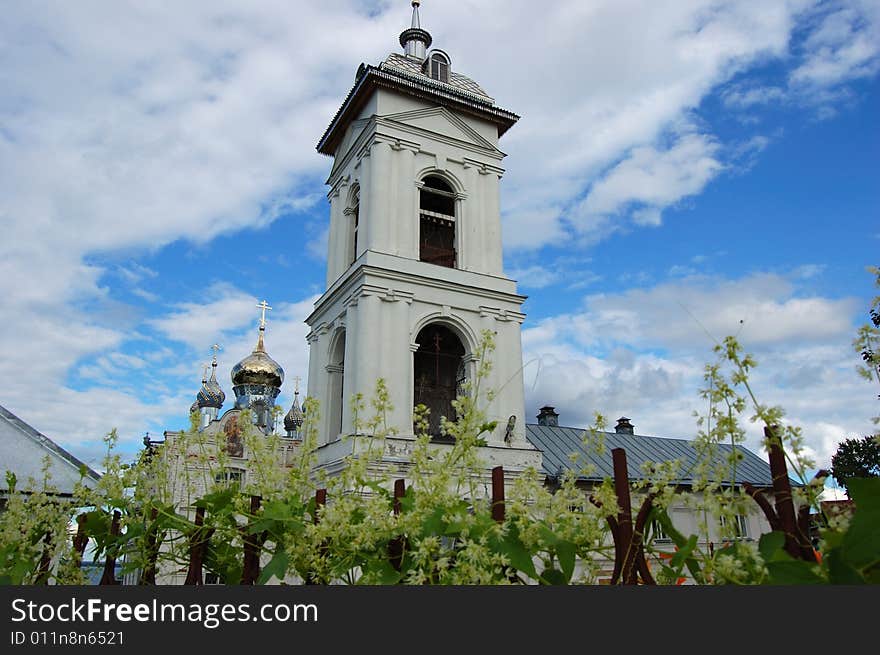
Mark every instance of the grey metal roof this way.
pixel 462 94
pixel 22 450
pixel 411 66
pixel 558 443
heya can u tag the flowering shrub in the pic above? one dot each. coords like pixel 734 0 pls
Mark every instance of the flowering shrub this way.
pixel 175 514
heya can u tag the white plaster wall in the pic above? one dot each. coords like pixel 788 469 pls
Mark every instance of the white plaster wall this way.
pixel 387 295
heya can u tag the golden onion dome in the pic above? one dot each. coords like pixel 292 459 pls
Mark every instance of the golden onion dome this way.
pixel 258 368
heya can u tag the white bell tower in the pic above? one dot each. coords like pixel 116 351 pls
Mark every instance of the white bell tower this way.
pixel 414 268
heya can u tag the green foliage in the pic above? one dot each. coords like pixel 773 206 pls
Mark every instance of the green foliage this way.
pixel 856 458
pixel 442 530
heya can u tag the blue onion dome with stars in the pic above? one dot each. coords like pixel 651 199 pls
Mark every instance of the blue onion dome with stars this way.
pixel 211 395
pixel 294 418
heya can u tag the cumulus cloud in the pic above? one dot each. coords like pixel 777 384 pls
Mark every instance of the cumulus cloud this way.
pixel 650 179
pixel 641 353
pixel 131 126
pixel 844 46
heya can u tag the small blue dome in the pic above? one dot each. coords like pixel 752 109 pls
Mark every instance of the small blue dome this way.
pixel 211 395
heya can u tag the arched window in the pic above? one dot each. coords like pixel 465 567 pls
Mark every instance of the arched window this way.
pixel 354 213
pixel 439 373
pixel 336 370
pixel 437 222
pixel 437 66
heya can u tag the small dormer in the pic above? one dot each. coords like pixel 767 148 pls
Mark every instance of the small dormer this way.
pixel 437 66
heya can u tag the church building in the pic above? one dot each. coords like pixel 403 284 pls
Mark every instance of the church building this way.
pixel 414 281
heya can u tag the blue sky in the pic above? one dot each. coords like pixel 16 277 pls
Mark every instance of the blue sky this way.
pixel 676 170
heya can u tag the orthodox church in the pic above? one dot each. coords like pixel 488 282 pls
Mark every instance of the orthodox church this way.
pixel 414 282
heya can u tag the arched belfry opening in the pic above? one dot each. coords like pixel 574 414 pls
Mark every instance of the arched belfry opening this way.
pixel 439 373
pixel 437 222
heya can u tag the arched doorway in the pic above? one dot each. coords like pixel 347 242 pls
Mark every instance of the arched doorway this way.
pixel 439 373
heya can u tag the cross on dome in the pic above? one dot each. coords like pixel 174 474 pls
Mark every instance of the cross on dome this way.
pixel 263 306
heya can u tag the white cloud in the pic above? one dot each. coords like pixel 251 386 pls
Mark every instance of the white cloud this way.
pixel 534 277
pixel 652 179
pixel 641 352
pixel 845 46
pixel 744 98
pixel 129 126
pixel 199 324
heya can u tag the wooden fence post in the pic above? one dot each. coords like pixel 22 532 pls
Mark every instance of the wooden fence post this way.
pixel 198 544
pixel 45 561
pixel 498 494
pixel 253 544
pixel 395 546
pixel 109 575
pixel 148 574
pixel 320 500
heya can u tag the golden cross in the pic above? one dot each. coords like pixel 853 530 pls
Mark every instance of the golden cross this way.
pixel 215 348
pixel 296 381
pixel 263 306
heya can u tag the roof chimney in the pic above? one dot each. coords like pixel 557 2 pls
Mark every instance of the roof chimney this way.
pixel 624 426
pixel 548 416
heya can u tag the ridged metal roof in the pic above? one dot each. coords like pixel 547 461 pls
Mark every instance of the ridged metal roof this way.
pixel 559 443
pixel 457 81
pixel 22 450
pixel 465 95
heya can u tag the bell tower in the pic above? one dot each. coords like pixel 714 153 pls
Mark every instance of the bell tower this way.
pixel 414 265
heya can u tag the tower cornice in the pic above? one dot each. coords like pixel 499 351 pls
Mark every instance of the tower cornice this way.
pixel 374 77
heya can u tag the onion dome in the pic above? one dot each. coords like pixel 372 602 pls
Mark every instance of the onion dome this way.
pixel 294 419
pixel 258 368
pixel 211 395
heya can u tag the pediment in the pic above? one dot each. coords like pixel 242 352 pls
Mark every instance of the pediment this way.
pixel 439 120
pixel 352 134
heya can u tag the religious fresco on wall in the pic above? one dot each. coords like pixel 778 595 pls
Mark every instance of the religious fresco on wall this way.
pixel 234 444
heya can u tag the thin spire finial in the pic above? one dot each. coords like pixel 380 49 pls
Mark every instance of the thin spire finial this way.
pixel 296 381
pixel 215 349
pixel 415 18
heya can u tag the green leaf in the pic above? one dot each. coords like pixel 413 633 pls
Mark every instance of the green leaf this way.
pixel 277 567
pixel 770 546
pixel 566 552
pixel 840 571
pixel 217 501
pixel 793 572
pixel 861 544
pixel 553 576
pixel 381 572
pixel 434 523
pixel 517 554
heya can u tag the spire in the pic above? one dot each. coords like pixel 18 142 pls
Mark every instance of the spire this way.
pixel 415 40
pixel 415 20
